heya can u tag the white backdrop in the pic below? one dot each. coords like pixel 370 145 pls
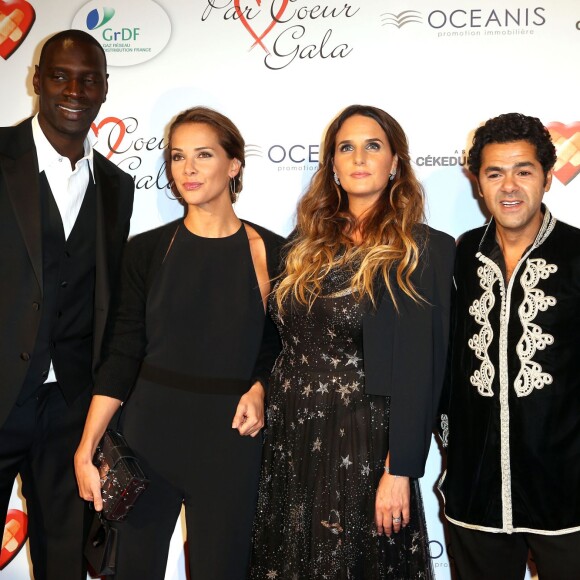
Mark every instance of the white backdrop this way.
pixel 281 69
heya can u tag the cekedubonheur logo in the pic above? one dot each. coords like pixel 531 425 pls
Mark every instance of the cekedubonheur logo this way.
pixel 130 31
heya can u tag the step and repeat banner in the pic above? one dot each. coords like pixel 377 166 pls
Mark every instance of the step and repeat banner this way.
pixel 282 69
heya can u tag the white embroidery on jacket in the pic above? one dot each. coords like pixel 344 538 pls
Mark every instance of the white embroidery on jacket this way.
pixel 530 376
pixel 482 378
pixel 444 430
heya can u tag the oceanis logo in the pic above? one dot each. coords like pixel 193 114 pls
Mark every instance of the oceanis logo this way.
pixel 96 20
pixel 285 31
pixel 399 20
pixel 467 21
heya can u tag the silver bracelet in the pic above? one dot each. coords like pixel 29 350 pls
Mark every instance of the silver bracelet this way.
pixel 387 470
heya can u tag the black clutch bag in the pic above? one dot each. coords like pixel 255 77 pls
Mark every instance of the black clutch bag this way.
pixel 122 479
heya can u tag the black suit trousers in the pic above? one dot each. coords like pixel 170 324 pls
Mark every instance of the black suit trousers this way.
pixel 479 555
pixel 38 441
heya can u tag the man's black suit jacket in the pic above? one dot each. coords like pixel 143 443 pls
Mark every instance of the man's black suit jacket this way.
pixel 21 295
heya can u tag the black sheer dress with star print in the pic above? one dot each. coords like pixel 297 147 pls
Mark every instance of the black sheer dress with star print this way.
pixel 325 449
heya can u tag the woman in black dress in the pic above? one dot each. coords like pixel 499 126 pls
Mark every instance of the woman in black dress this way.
pixel 191 342
pixel 362 309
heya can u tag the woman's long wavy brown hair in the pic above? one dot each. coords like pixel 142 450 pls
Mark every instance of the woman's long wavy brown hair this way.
pixel 325 225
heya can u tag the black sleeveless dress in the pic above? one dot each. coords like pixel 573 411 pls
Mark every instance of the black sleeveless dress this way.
pixel 204 323
pixel 326 444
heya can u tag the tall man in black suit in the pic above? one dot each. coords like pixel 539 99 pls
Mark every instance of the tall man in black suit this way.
pixel 64 217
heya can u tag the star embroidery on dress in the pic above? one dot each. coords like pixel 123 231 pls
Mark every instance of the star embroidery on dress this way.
pixel 343 391
pixel 323 388
pixel 360 373
pixel 324 357
pixel 307 390
pixel 304 360
pixel 334 361
pixel 286 385
pixel 331 333
pixel 272 574
pixel 365 469
pixel 354 387
pixel 342 432
pixel 346 462
pixel 295 339
pixel 317 445
pixel 353 359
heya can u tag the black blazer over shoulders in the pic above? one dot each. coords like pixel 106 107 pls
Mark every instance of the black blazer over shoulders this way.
pixel 405 353
pixel 21 290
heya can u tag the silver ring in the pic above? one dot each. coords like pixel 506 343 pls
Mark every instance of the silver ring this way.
pixel 396 520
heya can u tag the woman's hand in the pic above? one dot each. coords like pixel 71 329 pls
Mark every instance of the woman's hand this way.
pixel 392 504
pixel 249 417
pixel 88 478
pixel 100 413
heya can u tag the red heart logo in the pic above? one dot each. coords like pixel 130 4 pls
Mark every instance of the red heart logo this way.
pixel 567 141
pixel 16 20
pixel 14 537
pixel 122 131
pixel 249 28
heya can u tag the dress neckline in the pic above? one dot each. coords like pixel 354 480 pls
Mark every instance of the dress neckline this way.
pixel 210 240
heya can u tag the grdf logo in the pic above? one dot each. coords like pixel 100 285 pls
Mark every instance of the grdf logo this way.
pixel 94 19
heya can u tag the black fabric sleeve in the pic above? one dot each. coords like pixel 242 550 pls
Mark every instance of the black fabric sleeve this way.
pixel 442 422
pixel 271 345
pixel 421 357
pixel 269 351
pixel 413 344
pixel 125 339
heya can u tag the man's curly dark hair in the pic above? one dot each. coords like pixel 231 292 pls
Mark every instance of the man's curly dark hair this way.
pixel 508 128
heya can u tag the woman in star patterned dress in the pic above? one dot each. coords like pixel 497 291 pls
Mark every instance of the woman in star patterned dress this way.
pixel 362 309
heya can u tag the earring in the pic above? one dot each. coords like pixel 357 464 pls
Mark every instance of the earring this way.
pixel 336 180
pixel 391 176
pixel 233 194
pixel 173 194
